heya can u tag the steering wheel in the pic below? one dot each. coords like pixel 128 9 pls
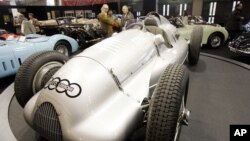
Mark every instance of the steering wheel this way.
pixel 135 26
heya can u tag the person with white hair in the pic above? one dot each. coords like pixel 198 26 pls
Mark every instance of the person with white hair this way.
pixel 26 26
pixel 107 23
pixel 35 22
pixel 127 15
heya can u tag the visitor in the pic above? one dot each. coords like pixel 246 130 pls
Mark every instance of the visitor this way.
pixel 234 24
pixel 26 27
pixel 106 22
pixel 127 15
pixel 35 22
pixel 184 18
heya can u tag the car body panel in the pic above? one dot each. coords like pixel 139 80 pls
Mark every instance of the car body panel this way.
pixel 14 52
pixel 208 29
pixel 98 93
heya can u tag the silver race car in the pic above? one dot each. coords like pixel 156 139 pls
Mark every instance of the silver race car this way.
pixel 131 80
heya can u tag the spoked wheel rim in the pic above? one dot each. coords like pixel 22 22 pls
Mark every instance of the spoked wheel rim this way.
pixel 62 49
pixel 216 41
pixel 183 117
pixel 40 74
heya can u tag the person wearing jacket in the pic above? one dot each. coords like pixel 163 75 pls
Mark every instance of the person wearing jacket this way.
pixel 106 22
pixel 234 24
pixel 184 18
pixel 26 27
pixel 127 15
pixel 35 22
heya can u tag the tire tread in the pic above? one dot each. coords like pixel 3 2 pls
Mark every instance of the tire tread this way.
pixel 165 103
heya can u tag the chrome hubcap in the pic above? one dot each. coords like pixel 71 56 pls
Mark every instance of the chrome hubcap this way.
pixel 185 117
pixel 62 49
pixel 37 81
pixel 216 41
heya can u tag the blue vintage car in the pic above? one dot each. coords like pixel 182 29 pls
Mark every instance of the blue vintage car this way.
pixel 14 52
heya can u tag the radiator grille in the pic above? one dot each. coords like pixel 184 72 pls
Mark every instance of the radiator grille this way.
pixel 46 122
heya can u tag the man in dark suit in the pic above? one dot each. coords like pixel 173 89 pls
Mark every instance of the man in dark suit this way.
pixel 234 24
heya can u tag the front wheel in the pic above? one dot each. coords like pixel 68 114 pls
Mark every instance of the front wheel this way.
pixel 167 110
pixel 35 72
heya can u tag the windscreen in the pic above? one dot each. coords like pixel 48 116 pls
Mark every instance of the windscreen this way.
pixel 134 24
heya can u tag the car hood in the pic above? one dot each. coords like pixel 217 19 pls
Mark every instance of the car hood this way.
pixel 5 50
pixel 2 43
pixel 8 43
pixel 36 38
pixel 124 50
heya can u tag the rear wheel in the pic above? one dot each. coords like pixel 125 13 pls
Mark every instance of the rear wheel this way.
pixel 215 40
pixel 35 72
pixel 195 45
pixel 63 48
pixel 167 111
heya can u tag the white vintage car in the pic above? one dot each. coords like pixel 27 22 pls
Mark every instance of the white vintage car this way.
pixel 110 90
pixel 214 35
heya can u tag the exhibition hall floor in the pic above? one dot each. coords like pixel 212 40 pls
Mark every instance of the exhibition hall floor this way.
pixel 219 95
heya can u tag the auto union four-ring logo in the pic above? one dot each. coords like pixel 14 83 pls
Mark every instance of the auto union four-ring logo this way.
pixel 72 90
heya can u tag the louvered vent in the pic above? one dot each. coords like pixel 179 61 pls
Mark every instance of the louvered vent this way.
pixel 46 122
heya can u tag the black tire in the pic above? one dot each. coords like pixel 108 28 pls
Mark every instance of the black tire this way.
pixel 195 45
pixel 218 37
pixel 63 47
pixel 24 86
pixel 165 105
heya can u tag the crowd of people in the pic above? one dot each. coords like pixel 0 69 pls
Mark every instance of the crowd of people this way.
pixel 109 24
